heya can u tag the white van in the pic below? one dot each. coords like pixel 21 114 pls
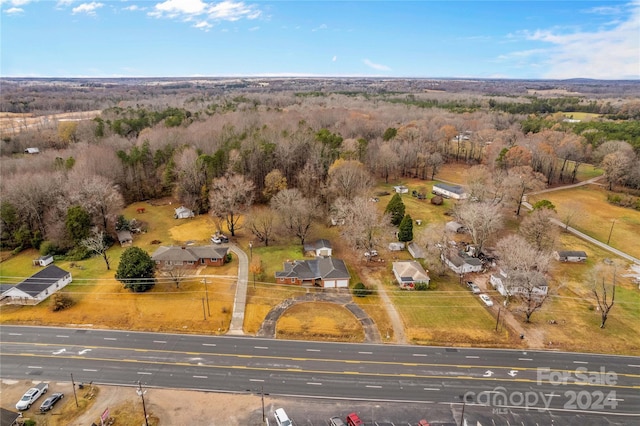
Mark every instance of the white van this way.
pixel 281 418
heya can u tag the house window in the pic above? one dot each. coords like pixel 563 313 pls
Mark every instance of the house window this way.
pixel 190 262
pixel 281 280
pixel 203 261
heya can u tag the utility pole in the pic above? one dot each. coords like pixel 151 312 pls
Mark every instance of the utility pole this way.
pixel 206 293
pixel 498 320
pixel 204 313
pixel 144 407
pixel 611 231
pixel 74 390
pixel 264 419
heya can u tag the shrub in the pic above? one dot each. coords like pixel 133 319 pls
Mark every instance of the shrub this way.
pixel 421 286
pixel 78 253
pixel 437 200
pixel 228 258
pixel 47 248
pixel 60 302
pixel 361 290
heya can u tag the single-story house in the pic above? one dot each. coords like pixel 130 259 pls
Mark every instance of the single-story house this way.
pixel 8 417
pixel 416 251
pixel 408 273
pixel 570 256
pixel 183 213
pixel 32 151
pixel 124 237
pixel 43 260
pixel 449 191
pixel 456 227
pixel 499 282
pixel 397 246
pixel 318 248
pixel 190 256
pixel 462 264
pixel 37 287
pixel 326 272
pixel 401 189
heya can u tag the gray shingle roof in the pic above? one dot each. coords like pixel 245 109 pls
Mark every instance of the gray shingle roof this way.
pixel 321 268
pixel 40 281
pixel 188 254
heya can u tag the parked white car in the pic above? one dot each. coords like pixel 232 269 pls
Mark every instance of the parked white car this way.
pixel 31 396
pixel 486 299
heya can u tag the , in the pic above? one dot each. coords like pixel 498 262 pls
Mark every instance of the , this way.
pixel 51 401
pixel 486 299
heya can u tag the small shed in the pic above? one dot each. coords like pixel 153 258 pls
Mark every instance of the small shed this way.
pixel 320 247
pixel 43 260
pixel 125 238
pixel 401 189
pixel 183 213
pixel 416 251
pixel 32 150
pixel 570 256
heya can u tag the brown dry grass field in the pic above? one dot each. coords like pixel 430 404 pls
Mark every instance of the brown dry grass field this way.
pixel 448 314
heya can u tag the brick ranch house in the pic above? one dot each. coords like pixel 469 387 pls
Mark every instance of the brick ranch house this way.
pixel 190 256
pixel 325 272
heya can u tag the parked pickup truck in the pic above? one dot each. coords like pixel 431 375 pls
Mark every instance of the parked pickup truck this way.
pixel 32 396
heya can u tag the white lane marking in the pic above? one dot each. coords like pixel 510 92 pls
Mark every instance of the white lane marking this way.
pixel 580 362
pixel 144 372
pixel 15 334
pixel 419 354
pixel 200 377
pixel 88 369
pixel 34 366
pixel 256 380
pixel 488 373
pixel 374 386
pixel 208 344
pixel 58 352
pixel 314 383
pixel 633 365
pixel 160 341
pixel 471 356
pixel 432 389
pixel 366 353
pixel 110 338
pixel 313 350
pixel 513 373
pixel 84 351
pixel 525 359
pixel 260 347
pixel 61 335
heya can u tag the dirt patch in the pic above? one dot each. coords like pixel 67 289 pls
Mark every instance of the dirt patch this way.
pixel 164 406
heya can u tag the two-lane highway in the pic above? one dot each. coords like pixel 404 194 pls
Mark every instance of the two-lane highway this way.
pixel 503 379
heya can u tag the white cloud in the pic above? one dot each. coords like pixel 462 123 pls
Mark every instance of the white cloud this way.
pixel 335 58
pixel 254 28
pixel 203 25
pixel 611 52
pixel 88 8
pixel 375 66
pixel 133 8
pixel 186 10
pixel 13 11
pixel 19 2
pixel 321 27
pixel 63 3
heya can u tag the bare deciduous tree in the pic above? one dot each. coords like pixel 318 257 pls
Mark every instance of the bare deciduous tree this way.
pixel 482 219
pixel 295 211
pixel 262 223
pixel 604 289
pixel 538 229
pixel 348 178
pixel 176 273
pixel 365 227
pixel 98 195
pixel 230 197
pixel 521 180
pixel 525 268
pixel 97 243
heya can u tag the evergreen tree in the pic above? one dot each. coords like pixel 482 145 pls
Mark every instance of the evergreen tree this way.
pixel 405 230
pixel 396 209
pixel 78 223
pixel 136 270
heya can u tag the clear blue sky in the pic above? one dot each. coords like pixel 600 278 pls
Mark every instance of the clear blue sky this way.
pixel 185 38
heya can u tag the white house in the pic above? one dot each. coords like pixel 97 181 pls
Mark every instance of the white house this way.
pixel 319 248
pixel 183 213
pixel 570 256
pixel 32 151
pixel 396 246
pixel 462 264
pixel 408 273
pixel 499 282
pixel 38 287
pixel 449 191
pixel 401 189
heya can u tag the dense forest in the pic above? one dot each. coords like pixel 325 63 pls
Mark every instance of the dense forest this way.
pixel 329 140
